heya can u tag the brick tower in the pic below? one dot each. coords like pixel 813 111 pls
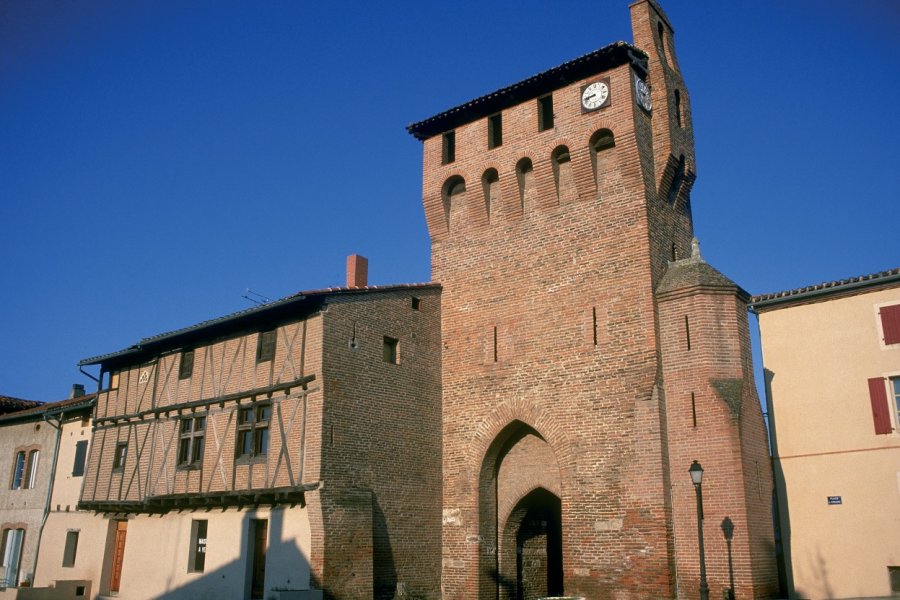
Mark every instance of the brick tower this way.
pixel 556 208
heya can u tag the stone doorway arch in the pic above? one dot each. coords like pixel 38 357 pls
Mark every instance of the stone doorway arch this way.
pixel 520 517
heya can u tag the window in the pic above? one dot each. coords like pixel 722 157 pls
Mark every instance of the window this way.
pixel 120 455
pixel 197 560
pixel 495 130
pixel 545 113
pixel 603 157
pixel 890 323
pixel 71 548
pixel 525 178
pixel 253 430
pixel 895 391
pixel 80 456
pixel 10 553
pixel 31 468
pixel 186 366
pixel 265 348
pixel 114 380
pixel 448 148
pixel 18 471
pixel 389 352
pixel 881 415
pixel 190 446
pixel 416 303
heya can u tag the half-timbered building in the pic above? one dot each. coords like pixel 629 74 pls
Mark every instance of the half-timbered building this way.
pixel 279 452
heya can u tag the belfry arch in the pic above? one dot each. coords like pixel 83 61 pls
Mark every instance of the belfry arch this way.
pixel 520 517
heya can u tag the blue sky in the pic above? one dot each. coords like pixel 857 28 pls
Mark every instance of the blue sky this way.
pixel 159 158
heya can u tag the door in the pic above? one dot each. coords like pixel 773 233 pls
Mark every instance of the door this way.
pixel 118 556
pixel 259 529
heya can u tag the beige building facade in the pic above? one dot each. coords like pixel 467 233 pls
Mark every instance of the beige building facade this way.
pixel 831 355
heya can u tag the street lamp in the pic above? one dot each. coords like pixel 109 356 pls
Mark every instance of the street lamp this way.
pixel 696 472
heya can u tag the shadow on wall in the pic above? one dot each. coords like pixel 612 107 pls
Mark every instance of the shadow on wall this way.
pixel 780 512
pixel 253 566
pixel 385 572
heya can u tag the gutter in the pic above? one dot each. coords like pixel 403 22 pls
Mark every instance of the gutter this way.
pixel 47 504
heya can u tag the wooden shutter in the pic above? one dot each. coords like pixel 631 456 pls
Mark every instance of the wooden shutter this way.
pixel 880 413
pixel 890 323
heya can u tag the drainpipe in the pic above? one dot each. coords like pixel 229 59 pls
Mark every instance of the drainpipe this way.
pixel 37 549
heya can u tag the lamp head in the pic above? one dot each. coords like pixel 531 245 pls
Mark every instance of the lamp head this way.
pixel 696 472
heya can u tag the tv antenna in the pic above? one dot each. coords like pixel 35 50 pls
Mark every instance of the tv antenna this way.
pixel 255 297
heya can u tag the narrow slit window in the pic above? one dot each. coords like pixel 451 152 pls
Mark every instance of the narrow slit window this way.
pixel 265 348
pixel 186 366
pixel 71 548
pixel 390 350
pixel 80 456
pixel 448 148
pixel 120 456
pixel 495 344
pixel 687 331
pixel 416 303
pixel 694 409
pixel 594 316
pixel 495 130
pixel 545 113
pixel 197 562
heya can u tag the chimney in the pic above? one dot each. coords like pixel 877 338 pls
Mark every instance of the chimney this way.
pixel 77 390
pixel 357 271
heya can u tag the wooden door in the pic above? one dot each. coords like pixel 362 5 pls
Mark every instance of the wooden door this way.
pixel 258 538
pixel 118 556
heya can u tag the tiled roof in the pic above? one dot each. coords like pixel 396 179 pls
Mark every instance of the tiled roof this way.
pixel 827 288
pixel 293 299
pixel 38 409
pixel 547 81
pixel 9 404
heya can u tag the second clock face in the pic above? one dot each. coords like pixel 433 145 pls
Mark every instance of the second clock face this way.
pixel 595 95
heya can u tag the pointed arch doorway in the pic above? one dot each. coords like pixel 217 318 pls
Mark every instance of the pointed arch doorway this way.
pixel 520 517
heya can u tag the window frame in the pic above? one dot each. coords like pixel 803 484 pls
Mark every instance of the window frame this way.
pixel 252 431
pixel 197 550
pixel 191 441
pixel 80 461
pixel 390 352
pixel 495 130
pixel 448 147
pixel 120 456
pixel 18 473
pixel 70 550
pixel 31 465
pixel 186 364
pixel 265 345
pixel 545 112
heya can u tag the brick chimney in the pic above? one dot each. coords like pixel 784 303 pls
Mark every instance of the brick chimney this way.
pixel 357 271
pixel 77 390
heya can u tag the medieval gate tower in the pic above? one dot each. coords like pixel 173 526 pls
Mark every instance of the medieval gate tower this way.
pixel 589 353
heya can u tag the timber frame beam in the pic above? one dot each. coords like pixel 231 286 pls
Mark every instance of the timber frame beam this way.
pixel 209 501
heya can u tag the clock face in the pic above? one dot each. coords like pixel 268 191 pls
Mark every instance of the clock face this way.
pixel 642 94
pixel 595 95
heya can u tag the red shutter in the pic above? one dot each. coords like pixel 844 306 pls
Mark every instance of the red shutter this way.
pixel 890 323
pixel 880 412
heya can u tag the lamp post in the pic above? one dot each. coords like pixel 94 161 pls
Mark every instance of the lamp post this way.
pixel 696 472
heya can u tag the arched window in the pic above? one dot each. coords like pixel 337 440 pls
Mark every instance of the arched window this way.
pixel 562 174
pixel 525 177
pixel 452 196
pixel 490 186
pixel 603 154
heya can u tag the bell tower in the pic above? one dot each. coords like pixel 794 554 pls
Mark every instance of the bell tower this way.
pixel 555 206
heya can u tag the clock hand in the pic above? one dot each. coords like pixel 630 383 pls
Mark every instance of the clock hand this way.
pixel 589 97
